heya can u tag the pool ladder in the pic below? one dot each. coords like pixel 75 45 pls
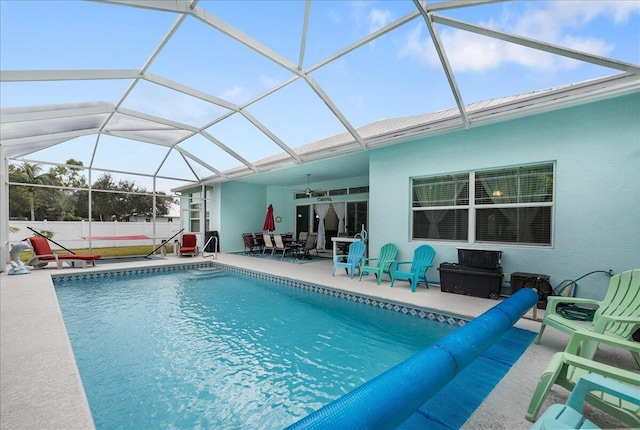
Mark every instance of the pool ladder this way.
pixel 215 247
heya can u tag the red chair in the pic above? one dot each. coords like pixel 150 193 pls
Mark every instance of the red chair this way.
pixel 44 255
pixel 249 242
pixel 189 245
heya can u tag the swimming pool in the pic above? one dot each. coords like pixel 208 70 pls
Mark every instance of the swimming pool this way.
pixel 200 348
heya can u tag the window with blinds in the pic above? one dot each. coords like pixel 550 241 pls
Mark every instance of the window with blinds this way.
pixel 441 207
pixel 509 205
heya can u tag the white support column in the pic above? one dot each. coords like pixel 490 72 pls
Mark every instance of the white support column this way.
pixel 4 209
pixel 153 208
pixel 90 209
pixel 203 213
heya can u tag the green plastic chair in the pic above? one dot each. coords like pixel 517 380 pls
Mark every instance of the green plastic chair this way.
pixel 422 260
pixel 569 415
pixel 387 257
pixel 351 261
pixel 618 313
pixel 566 368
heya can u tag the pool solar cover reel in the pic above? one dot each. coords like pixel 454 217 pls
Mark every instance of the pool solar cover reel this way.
pixel 391 398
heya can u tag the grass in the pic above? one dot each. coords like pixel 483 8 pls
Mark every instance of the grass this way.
pixel 113 251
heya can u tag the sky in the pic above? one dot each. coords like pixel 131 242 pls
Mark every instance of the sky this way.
pixel 398 74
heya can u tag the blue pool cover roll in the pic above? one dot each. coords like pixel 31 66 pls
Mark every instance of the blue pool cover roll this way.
pixel 389 399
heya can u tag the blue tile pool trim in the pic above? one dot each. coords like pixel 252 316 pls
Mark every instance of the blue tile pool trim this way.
pixel 364 299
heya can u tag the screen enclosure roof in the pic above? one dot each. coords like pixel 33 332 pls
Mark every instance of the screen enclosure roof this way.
pixel 192 92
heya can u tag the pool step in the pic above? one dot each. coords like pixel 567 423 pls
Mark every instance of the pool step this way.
pixel 209 272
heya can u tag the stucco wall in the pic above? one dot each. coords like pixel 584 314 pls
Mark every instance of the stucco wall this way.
pixel 597 191
pixel 242 209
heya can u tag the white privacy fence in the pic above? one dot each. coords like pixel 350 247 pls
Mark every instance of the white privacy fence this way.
pixel 69 234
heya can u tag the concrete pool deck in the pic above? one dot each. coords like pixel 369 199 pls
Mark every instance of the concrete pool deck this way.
pixel 40 387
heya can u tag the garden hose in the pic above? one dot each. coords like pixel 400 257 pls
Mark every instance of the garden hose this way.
pixel 572 311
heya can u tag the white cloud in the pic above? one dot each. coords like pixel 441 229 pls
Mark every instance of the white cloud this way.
pixel 269 81
pixel 467 51
pixel 556 22
pixel 419 48
pixel 584 11
pixel 339 69
pixel 233 94
pixel 377 19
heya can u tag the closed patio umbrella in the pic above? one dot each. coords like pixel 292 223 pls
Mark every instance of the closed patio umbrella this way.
pixel 269 223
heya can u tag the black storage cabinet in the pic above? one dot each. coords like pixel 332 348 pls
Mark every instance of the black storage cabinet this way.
pixel 470 281
pixel 211 246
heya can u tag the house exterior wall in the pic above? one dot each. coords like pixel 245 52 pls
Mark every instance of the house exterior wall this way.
pixel 596 225
pixel 242 210
pixel 596 148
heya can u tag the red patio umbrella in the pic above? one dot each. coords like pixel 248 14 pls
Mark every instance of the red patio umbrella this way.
pixel 269 223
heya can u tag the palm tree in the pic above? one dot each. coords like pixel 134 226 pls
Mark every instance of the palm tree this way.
pixel 30 173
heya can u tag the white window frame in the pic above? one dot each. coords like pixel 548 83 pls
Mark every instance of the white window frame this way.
pixel 472 207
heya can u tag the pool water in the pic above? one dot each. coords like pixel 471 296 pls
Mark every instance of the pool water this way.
pixel 225 351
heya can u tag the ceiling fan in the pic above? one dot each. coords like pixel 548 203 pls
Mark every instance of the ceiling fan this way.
pixel 308 191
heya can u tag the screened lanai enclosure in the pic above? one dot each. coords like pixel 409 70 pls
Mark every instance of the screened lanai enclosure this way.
pixel 129 102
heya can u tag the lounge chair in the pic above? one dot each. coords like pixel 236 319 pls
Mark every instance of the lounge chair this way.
pixel 302 237
pixel 259 240
pixel 569 415
pixel 386 258
pixel 566 368
pixel 422 260
pixel 302 252
pixel 189 245
pixel 268 244
pixel 618 313
pixel 279 245
pixel 350 261
pixel 44 255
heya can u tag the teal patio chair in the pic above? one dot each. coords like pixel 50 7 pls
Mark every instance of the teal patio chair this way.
pixel 387 257
pixel 422 260
pixel 569 415
pixel 351 261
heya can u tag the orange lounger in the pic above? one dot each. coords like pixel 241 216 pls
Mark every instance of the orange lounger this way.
pixel 44 255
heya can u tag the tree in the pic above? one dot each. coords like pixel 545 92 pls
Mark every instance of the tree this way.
pixel 59 204
pixel 111 200
pixel 70 176
pixel 105 205
pixel 130 200
pixel 18 196
pixel 30 173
